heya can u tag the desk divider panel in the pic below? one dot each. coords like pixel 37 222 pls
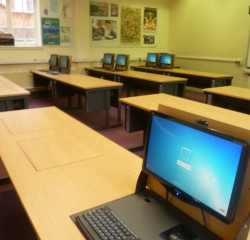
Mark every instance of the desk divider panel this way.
pixel 225 231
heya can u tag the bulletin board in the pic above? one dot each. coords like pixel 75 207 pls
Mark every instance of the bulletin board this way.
pixel 56 22
pixel 115 24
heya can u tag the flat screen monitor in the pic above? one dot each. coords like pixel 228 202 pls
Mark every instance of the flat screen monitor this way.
pixel 196 164
pixel 166 60
pixel 64 64
pixel 152 59
pixel 108 60
pixel 53 62
pixel 121 62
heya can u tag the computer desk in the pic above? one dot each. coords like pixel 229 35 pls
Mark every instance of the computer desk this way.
pixel 197 79
pixel 231 97
pixel 137 109
pixel 236 123
pixel 150 82
pixel 60 166
pixel 99 94
pixel 11 94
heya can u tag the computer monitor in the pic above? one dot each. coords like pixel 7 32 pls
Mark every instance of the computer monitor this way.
pixel 108 61
pixel 198 165
pixel 152 59
pixel 53 62
pixel 64 64
pixel 122 61
pixel 166 60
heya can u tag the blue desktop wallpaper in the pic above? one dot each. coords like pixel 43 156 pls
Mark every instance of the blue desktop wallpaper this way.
pixel 152 57
pixel 107 58
pixel 202 165
pixel 166 59
pixel 121 60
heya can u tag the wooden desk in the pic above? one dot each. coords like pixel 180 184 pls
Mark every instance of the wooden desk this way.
pixel 59 167
pixel 196 79
pixel 99 94
pixel 230 97
pixel 133 80
pixel 12 94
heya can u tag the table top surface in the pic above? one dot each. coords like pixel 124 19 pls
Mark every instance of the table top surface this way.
pixel 80 80
pixel 59 167
pixel 230 91
pixel 151 103
pixel 142 76
pixel 187 72
pixel 10 89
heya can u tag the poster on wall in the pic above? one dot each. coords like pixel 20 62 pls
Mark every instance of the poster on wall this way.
pixel 66 9
pixel 150 19
pixel 100 9
pixel 114 10
pixel 57 22
pixel 65 33
pixel 148 40
pixel 130 30
pixel 50 31
pixel 50 8
pixel 104 32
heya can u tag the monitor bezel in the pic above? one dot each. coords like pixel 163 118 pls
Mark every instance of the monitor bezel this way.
pixel 56 65
pixel 152 64
pixel 122 67
pixel 66 69
pixel 109 65
pixel 164 65
pixel 178 193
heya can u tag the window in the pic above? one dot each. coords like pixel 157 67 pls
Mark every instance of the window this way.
pixel 21 18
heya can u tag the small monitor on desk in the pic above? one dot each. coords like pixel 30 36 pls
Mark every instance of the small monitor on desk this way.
pixel 65 64
pixel 166 60
pixel 53 62
pixel 108 61
pixel 152 59
pixel 198 165
pixel 122 61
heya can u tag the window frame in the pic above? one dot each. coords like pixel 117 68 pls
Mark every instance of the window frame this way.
pixel 37 25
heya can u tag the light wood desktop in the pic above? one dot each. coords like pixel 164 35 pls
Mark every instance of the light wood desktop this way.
pixel 97 92
pixel 133 80
pixel 197 79
pixel 59 167
pixel 231 97
pixel 231 122
pixel 11 93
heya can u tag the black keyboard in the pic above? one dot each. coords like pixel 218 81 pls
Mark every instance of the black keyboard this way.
pixel 102 224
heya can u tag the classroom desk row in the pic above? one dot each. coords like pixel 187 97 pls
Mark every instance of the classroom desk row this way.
pixel 230 97
pixel 58 171
pixel 197 79
pixel 12 96
pixel 99 94
pixel 149 82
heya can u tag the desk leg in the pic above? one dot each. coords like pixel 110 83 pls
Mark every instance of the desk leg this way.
pixel 209 98
pixel 118 107
pixel 26 103
pixel 107 105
